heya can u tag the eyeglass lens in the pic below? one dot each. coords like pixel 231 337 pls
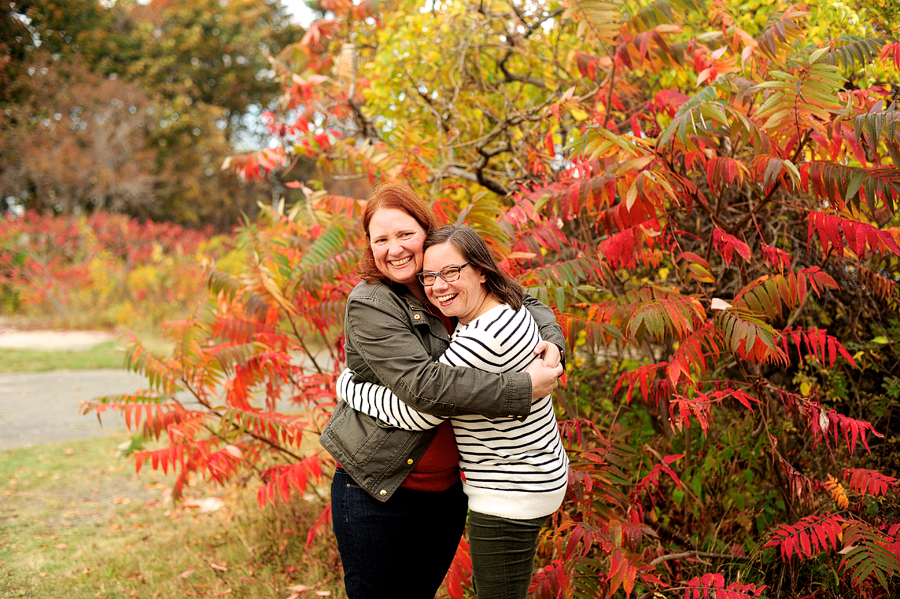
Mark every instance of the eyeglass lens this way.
pixel 449 274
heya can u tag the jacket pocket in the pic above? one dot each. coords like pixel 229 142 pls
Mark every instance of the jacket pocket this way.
pixel 358 436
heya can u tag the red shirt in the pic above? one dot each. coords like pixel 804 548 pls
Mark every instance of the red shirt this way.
pixel 439 467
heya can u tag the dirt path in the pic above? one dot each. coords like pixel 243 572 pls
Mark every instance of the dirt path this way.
pixel 42 407
pixel 52 340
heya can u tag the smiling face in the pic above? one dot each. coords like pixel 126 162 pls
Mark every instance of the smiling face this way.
pixel 467 297
pixel 396 240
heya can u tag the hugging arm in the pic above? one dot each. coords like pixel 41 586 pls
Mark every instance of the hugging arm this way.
pixel 386 350
pixel 378 401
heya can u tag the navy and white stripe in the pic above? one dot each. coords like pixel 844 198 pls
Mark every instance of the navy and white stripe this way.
pixel 379 402
pixel 512 469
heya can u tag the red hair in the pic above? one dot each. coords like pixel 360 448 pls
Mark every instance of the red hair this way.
pixel 399 196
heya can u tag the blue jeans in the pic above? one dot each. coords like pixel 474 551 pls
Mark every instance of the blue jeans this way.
pixel 400 548
pixel 503 555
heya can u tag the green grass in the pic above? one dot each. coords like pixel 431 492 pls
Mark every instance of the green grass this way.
pixel 105 355
pixel 77 522
pixel 110 354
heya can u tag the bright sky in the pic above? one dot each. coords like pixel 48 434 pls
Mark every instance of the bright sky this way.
pixel 301 12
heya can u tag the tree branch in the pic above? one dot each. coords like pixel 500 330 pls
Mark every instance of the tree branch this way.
pixel 671 556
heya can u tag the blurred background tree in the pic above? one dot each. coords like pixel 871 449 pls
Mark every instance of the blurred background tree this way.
pixel 133 106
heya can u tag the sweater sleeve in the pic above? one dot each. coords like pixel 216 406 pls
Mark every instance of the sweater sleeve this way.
pixel 378 402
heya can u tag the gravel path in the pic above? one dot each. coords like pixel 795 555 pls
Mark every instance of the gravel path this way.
pixel 42 407
pixel 52 340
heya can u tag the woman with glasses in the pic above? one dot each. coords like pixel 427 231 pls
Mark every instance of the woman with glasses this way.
pixel 398 509
pixel 514 472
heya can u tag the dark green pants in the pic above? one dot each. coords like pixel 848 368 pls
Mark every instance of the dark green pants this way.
pixel 502 555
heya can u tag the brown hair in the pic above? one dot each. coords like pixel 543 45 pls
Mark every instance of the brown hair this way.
pixel 399 196
pixel 476 252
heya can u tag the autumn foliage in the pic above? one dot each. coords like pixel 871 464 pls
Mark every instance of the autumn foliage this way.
pixel 103 271
pixel 710 208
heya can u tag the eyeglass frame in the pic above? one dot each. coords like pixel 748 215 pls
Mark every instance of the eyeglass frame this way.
pixel 424 273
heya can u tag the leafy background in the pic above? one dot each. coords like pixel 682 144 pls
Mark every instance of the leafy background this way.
pixel 706 192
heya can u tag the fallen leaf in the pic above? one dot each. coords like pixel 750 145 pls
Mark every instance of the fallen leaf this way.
pixel 218 567
pixel 206 505
pixel 68 451
pixel 186 573
pixel 323 593
pixel 60 545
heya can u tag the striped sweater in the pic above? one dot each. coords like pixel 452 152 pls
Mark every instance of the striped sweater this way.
pixel 511 469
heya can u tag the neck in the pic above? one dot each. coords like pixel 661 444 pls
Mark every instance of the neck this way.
pixel 488 303
pixel 419 292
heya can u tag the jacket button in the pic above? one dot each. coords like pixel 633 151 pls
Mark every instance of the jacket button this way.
pixel 512 415
pixel 409 461
pixel 416 316
pixel 382 492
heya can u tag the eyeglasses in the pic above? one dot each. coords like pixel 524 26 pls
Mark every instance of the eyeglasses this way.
pixel 449 274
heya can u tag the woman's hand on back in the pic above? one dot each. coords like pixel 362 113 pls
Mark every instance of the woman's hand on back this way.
pixel 543 379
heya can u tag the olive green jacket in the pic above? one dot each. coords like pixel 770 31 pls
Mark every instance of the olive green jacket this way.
pixel 394 340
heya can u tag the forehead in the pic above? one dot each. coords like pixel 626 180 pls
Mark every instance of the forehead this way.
pixel 442 255
pixel 387 221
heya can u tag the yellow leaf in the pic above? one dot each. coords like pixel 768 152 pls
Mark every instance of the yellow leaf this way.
pixel 837 492
pixel 631 198
pixel 578 114
pixel 275 292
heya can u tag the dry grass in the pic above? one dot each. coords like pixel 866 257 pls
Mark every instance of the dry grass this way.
pixel 76 522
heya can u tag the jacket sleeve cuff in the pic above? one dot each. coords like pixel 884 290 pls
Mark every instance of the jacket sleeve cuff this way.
pixel 518 395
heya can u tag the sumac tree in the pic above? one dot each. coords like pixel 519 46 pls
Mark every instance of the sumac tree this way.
pixel 711 210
